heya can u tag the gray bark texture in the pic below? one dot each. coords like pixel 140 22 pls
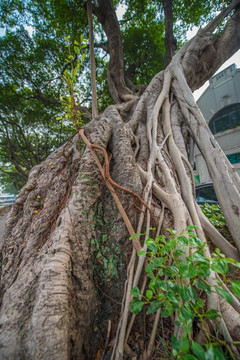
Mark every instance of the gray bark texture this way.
pixel 66 253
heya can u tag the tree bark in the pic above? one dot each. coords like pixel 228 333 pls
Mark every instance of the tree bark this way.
pixel 169 41
pixel 107 17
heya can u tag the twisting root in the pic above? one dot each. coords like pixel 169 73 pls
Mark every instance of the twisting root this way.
pixel 181 204
pixel 136 242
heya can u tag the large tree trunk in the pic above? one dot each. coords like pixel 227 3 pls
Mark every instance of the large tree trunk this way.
pixel 66 253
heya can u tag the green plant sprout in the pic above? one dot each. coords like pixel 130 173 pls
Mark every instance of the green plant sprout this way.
pixel 71 101
pixel 179 291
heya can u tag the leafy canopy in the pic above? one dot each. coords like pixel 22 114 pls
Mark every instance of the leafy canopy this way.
pixel 32 63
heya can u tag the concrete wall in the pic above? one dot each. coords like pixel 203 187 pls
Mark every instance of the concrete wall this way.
pixel 223 90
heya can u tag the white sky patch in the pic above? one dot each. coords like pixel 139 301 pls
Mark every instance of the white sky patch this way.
pixel 120 11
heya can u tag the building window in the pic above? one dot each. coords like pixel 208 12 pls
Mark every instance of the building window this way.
pixel 234 158
pixel 226 118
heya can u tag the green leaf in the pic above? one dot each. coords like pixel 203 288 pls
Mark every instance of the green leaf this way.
pixel 233 262
pixel 174 269
pixel 198 256
pixel 136 306
pixel 193 294
pixel 202 285
pixel 198 350
pixel 149 294
pixel 157 262
pixel 171 284
pixel 76 43
pixel 184 344
pixel 195 241
pixel 141 252
pixel 175 342
pixel 212 314
pixel 172 297
pixel 172 232
pixel 188 327
pixel 190 357
pixel 200 302
pixel 224 294
pixel 185 293
pixel 182 240
pixel 218 252
pixel 220 266
pixel 136 292
pixel 150 267
pixel 187 270
pixel 162 285
pixel 135 235
pixel 151 245
pixel 202 269
pixel 178 253
pixel 214 353
pixel 186 313
pixel 158 284
pixel 190 227
pixel 67 74
pixel 152 285
pixel 236 287
pixel 76 49
pixel 165 312
pixel 154 306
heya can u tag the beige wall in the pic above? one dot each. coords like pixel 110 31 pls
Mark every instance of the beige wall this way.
pixel 223 90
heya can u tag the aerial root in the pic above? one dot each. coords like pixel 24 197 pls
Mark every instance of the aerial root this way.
pixel 231 318
pixel 184 204
pixel 214 301
pixel 217 239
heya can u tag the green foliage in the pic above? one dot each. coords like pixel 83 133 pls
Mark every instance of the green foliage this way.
pixel 175 283
pixel 216 218
pixel 71 101
pixel 32 66
pixel 143 32
pixel 214 214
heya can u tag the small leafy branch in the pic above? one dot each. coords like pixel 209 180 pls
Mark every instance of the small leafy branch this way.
pixel 71 102
pixel 175 282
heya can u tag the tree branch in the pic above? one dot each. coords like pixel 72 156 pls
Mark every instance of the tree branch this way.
pixel 39 96
pixel 107 17
pixel 92 61
pixel 169 41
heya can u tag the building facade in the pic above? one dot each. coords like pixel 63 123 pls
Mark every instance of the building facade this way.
pixel 220 105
